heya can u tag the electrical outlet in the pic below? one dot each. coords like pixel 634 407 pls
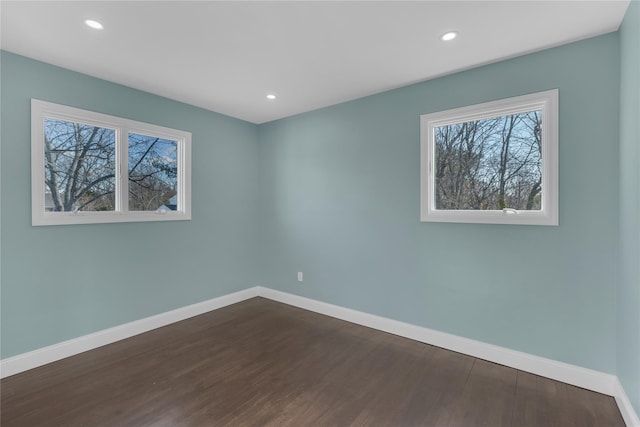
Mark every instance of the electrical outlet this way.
pixel 299 276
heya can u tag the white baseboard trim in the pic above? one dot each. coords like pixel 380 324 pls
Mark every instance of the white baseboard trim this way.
pixel 571 374
pixel 42 356
pixel 560 371
pixel 581 377
pixel 624 404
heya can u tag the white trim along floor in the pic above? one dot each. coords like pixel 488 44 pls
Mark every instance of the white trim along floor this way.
pixel 575 375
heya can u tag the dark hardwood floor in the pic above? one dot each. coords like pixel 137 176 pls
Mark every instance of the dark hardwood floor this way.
pixel 262 363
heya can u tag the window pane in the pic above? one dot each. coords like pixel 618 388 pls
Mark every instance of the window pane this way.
pixel 153 171
pixel 490 164
pixel 79 166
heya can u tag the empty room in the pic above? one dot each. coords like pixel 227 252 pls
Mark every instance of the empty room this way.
pixel 320 213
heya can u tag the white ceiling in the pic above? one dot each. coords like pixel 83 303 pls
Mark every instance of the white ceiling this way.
pixel 226 56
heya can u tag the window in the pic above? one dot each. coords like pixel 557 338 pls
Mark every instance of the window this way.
pixel 495 162
pixel 88 167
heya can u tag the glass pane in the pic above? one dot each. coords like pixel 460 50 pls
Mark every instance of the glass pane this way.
pixel 153 171
pixel 492 163
pixel 79 166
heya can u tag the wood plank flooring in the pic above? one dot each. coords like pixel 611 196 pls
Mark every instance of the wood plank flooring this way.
pixel 262 363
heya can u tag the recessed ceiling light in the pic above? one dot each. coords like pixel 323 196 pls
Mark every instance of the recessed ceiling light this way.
pixel 271 96
pixel 93 24
pixel 449 36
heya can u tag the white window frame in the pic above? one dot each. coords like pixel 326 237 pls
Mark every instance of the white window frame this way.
pixel 41 110
pixel 546 101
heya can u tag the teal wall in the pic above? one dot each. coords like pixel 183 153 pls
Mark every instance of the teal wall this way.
pixel 61 282
pixel 335 193
pixel 340 202
pixel 628 308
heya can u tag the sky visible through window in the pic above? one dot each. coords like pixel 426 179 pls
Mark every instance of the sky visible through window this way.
pixel 490 164
pixel 80 169
pixel 79 166
pixel 153 171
